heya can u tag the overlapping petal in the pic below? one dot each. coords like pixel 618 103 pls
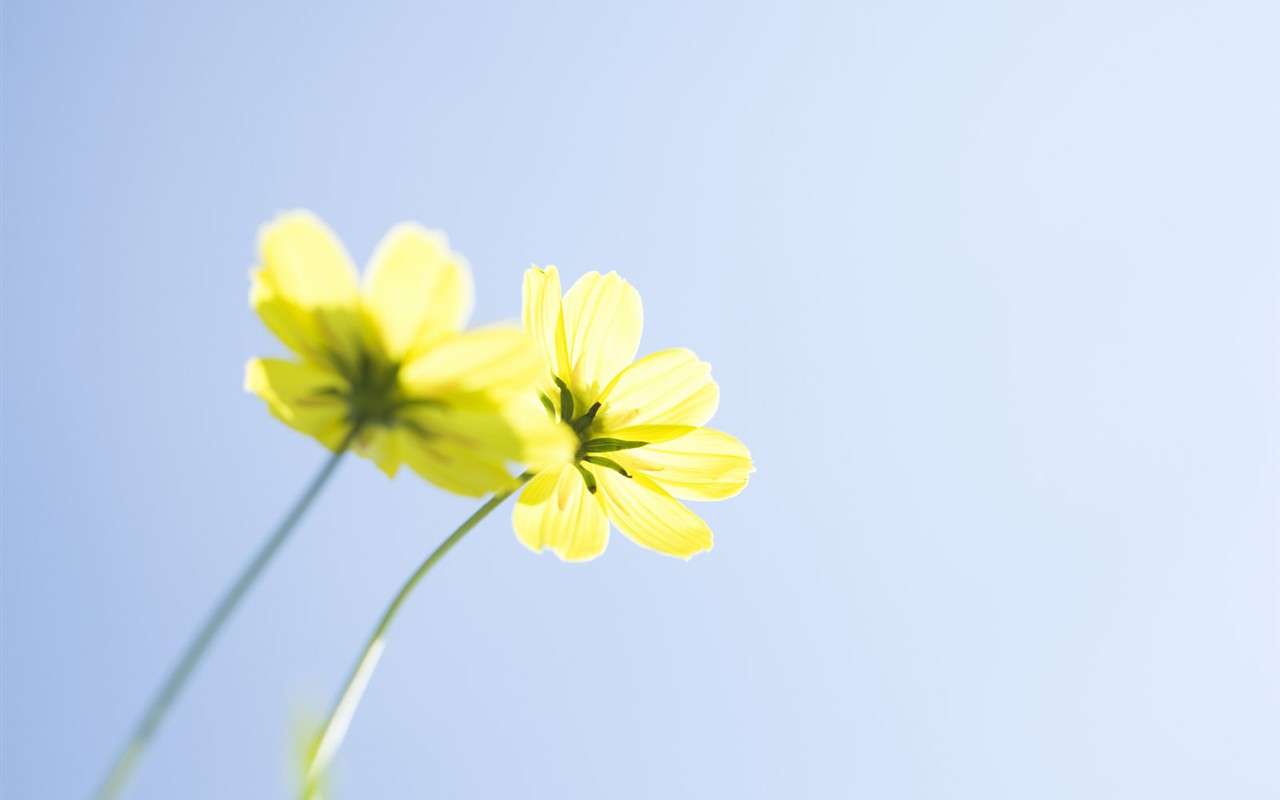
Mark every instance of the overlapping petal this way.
pixel 542 441
pixel 491 362
pixel 456 467
pixel 556 511
pixel 417 290
pixel 669 387
pixel 603 318
pixel 651 517
pixel 704 464
pixel 515 432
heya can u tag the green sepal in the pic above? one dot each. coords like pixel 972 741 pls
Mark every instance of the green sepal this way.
pixel 583 422
pixel 566 401
pixel 587 478
pixel 607 462
pixel 607 445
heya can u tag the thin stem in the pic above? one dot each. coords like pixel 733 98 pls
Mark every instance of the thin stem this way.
pixel 339 719
pixel 129 757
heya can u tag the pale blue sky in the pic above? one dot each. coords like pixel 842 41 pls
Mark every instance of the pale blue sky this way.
pixel 991 291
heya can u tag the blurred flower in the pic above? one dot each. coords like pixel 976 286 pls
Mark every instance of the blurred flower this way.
pixel 640 441
pixel 389 364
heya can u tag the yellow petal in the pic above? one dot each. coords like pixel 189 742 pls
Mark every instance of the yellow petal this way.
pixel 306 263
pixel 289 322
pixel 454 466
pixel 650 433
pixel 704 464
pixel 602 322
pixel 302 396
pixel 305 289
pixel 490 362
pixel 543 320
pixel 556 511
pixel 670 387
pixel 418 291
pixel 650 517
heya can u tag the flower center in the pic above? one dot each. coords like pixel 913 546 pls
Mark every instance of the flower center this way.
pixel 590 444
pixel 374 396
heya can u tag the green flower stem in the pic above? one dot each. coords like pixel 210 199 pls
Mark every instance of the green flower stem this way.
pixel 129 757
pixel 335 727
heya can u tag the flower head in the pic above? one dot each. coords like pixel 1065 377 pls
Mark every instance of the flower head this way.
pixel 387 366
pixel 641 447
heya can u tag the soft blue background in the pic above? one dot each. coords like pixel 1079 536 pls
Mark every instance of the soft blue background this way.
pixel 991 291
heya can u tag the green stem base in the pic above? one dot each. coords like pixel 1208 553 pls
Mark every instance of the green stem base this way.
pixel 339 719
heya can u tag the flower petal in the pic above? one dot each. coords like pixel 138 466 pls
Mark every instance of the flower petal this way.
pixel 543 320
pixel 495 362
pixel 304 397
pixel 650 433
pixel 557 511
pixel 602 322
pixel 306 263
pixel 305 290
pixel 670 387
pixel 704 464
pixel 417 290
pixel 650 517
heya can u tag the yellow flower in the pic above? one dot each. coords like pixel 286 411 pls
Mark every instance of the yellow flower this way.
pixel 640 441
pixel 388 366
